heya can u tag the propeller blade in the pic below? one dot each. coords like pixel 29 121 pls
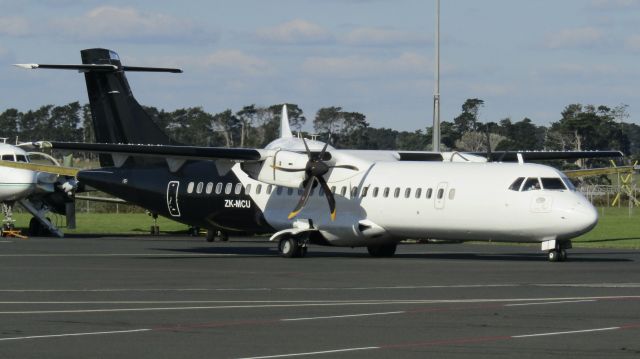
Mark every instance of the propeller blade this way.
pixel 349 167
pixel 303 200
pixel 329 195
pixel 324 149
pixel 283 169
pixel 307 148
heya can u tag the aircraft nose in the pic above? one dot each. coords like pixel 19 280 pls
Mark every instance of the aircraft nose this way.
pixel 586 216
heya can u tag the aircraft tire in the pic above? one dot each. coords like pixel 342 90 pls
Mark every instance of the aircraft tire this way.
pixel 553 256
pixel 222 236
pixel 382 250
pixel 211 235
pixel 563 255
pixel 289 248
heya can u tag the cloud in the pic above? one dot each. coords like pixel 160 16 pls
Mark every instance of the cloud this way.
pixel 633 42
pixel 228 62
pixel 583 37
pixel 14 26
pixel 359 66
pixel 614 4
pixel 130 25
pixel 375 36
pixel 295 32
pixel 583 71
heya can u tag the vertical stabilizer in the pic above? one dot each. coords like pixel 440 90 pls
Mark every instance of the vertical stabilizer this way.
pixel 285 130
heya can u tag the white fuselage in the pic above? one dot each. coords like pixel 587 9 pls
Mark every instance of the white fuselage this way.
pixel 460 201
pixel 15 184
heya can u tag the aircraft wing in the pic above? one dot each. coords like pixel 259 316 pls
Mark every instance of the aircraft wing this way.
pixel 509 156
pixel 59 170
pixel 163 151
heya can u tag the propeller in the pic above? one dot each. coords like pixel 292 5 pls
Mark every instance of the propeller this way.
pixel 315 170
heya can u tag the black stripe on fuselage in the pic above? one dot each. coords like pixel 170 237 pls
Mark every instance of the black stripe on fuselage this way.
pixel 147 186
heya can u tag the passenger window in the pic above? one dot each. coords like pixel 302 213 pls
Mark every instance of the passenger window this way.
pixel 333 189
pixel 209 187
pixel 227 188
pixel 199 187
pixel 354 192
pixel 189 186
pixel 247 189
pixel 515 186
pixel 396 192
pixel 552 183
pixel 385 194
pixel 531 184
pixel 418 192
pixel 21 158
pixel 320 192
pixel 375 192
pixel 219 188
pixel 238 188
pixel 258 188
pixel 269 189
pixel 429 193
pixel 407 193
pixel 452 193
pixel 364 191
pixel 290 191
pixel 278 190
pixel 343 191
pixel 440 193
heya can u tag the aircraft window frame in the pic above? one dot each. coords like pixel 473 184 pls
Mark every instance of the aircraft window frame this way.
pixel 418 192
pixel 238 188
pixel 343 191
pixel 219 187
pixel 429 193
pixel 452 193
pixel 199 187
pixel 259 188
pixel 190 187
pixel 209 188
pixel 440 194
pixel 21 158
pixel 385 193
pixel 9 157
pixel 407 192
pixel 517 184
pixel 228 187
pixel 375 192
pixel 530 186
pixel 396 192
pixel 354 192
pixel 549 185
pixel 364 192
pixel 269 189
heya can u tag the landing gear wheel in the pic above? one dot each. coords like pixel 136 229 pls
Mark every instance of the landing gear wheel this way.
pixel 553 256
pixel 211 235
pixel 382 250
pixel 154 230
pixel 35 228
pixel 289 247
pixel 222 236
pixel 563 255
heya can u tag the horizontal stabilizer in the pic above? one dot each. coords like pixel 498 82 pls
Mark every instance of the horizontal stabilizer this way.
pixel 98 68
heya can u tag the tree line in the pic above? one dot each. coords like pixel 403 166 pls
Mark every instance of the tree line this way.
pixel 579 127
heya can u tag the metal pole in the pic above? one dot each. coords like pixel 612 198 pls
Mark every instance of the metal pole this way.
pixel 436 91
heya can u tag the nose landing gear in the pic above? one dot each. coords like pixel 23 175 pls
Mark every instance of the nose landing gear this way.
pixel 556 250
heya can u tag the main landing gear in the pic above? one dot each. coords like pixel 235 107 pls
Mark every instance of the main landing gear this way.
pixel 216 235
pixel 292 247
pixel 556 250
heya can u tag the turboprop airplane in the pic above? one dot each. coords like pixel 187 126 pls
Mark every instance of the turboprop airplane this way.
pixel 38 192
pixel 371 199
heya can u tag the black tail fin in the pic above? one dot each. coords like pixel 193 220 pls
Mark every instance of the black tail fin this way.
pixel 117 116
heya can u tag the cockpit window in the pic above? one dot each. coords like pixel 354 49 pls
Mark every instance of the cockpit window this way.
pixel 515 186
pixel 552 183
pixel 568 183
pixel 21 158
pixel 531 184
pixel 8 158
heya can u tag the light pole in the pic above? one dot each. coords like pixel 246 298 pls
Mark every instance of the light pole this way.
pixel 436 91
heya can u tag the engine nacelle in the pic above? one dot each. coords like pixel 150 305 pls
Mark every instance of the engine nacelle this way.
pixel 273 169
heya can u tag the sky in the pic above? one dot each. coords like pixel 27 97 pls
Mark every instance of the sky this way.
pixel 523 58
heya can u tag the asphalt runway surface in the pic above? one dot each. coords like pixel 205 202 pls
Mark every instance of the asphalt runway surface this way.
pixel 180 297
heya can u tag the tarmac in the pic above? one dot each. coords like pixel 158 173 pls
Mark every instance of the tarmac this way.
pixel 181 297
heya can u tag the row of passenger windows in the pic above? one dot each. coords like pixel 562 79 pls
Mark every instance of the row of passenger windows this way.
pixel 383 192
